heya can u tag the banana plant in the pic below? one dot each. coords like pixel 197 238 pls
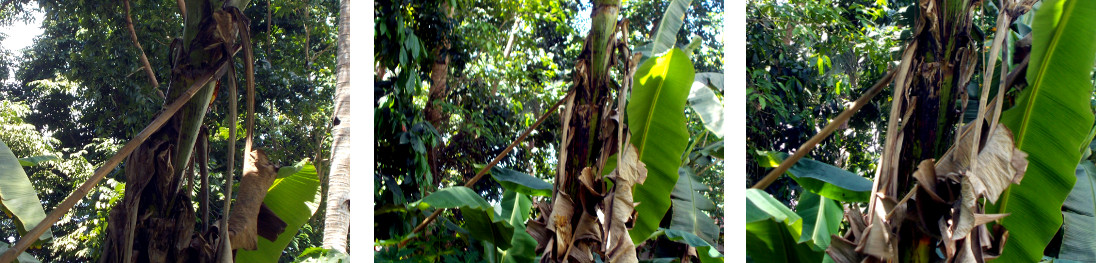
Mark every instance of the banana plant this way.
pixel 1059 75
pixel 18 199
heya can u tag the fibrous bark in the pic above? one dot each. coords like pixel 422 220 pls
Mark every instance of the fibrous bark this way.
pixel 569 230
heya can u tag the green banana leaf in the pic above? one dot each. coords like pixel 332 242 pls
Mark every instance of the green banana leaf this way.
pixel 322 255
pixel 773 231
pixel 704 250
pixel 36 160
pixel 656 118
pixel 18 199
pixel 286 171
pixel 294 198
pixel 22 258
pixel 821 178
pixel 479 216
pixel 688 204
pixel 821 218
pixel 1050 121
pixel 665 38
pixel 1079 212
pixel 515 208
pixel 519 181
pixel 703 101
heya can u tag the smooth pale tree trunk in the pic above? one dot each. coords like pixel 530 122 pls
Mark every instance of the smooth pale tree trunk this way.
pixel 337 224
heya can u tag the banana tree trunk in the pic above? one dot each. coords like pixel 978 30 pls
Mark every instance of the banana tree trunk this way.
pixel 337 224
pixel 937 66
pixel 569 230
pixel 155 221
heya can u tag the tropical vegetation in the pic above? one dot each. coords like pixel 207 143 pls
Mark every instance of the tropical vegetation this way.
pixel 550 131
pixel 189 131
pixel 920 131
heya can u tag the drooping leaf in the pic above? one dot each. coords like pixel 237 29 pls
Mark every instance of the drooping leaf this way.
pixel 18 198
pixel 713 79
pixel 479 216
pixel 36 160
pixel 294 199
pixel 1000 163
pixel 689 206
pixel 656 118
pixel 1079 213
pixel 1059 76
pixel 821 218
pixel 515 208
pixel 772 231
pixel 519 182
pixel 704 250
pixel 694 43
pixel 668 26
pixel 703 102
pixel 823 179
pixel 620 204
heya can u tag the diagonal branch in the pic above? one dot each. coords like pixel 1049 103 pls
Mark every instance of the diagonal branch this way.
pixel 100 173
pixel 493 162
pixel 844 116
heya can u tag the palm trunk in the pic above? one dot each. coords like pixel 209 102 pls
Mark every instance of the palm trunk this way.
pixel 337 223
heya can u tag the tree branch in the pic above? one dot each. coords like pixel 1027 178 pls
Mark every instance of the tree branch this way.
pixel 100 173
pixel 806 147
pixel 493 162
pixel 141 51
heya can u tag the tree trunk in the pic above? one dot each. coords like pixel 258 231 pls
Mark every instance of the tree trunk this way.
pixel 155 220
pixel 939 64
pixel 337 223
pixel 570 230
pixel 439 76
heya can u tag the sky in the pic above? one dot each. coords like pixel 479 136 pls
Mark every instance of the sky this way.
pixel 21 35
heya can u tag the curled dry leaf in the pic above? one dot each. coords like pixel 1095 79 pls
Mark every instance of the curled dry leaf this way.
pixel 879 241
pixel 926 178
pixel 621 206
pixel 1000 163
pixel 842 250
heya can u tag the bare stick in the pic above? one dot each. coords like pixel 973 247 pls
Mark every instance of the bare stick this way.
pixel 225 247
pixel 249 71
pixel 203 168
pixel 806 147
pixel 26 240
pixel 141 51
pixel 494 162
